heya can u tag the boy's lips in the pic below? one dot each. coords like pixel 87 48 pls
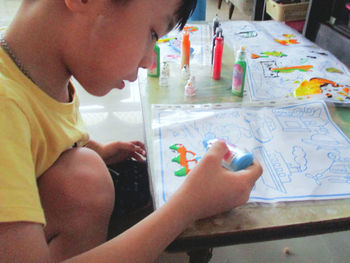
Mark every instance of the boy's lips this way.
pixel 132 77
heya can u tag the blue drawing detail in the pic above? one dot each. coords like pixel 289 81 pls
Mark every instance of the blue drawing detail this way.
pixel 337 172
pixel 299 119
pixel 261 128
pixel 321 139
pixel 297 145
pixel 276 170
pixel 300 161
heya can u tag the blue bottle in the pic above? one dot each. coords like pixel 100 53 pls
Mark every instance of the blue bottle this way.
pixel 235 159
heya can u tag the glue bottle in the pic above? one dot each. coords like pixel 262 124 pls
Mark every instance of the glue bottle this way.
pixel 185 49
pixel 154 69
pixel 239 69
pixel 235 159
pixel 217 58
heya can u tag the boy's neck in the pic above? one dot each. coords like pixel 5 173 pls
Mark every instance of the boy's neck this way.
pixel 35 44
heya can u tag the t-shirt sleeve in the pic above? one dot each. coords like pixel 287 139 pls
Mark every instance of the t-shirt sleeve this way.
pixel 19 195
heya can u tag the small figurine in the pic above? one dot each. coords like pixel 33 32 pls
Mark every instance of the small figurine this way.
pixel 190 89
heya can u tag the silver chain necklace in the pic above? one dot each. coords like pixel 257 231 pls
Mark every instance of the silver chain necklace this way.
pixel 18 63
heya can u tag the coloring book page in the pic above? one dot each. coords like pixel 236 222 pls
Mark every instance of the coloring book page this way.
pixel 304 155
pixel 296 72
pixel 282 64
pixel 269 33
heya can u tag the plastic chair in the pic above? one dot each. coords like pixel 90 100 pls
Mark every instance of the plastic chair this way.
pixel 200 11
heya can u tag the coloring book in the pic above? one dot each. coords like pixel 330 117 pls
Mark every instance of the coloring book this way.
pixel 305 156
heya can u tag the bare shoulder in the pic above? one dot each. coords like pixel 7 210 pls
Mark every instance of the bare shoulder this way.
pixel 23 242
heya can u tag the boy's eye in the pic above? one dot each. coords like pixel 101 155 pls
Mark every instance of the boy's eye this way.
pixel 154 35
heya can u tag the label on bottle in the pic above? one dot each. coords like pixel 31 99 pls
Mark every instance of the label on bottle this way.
pixel 152 70
pixel 237 78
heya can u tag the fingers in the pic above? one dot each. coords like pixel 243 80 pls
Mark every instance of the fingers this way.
pixel 251 173
pixel 138 143
pixel 219 149
pixel 133 146
pixel 137 157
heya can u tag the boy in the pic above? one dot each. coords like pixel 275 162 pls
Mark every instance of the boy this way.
pixel 56 196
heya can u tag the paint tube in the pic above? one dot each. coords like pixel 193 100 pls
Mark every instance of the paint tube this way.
pixel 236 158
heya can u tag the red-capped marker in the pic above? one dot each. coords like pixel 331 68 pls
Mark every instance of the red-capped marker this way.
pixel 217 58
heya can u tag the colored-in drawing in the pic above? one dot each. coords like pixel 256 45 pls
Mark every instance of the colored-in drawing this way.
pixel 266 66
pixel 191 28
pixel 182 159
pixel 268 54
pixel 334 70
pixel 288 35
pixel 319 85
pixel 290 39
pixel 303 68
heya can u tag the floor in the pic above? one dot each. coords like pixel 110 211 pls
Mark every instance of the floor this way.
pixel 117 116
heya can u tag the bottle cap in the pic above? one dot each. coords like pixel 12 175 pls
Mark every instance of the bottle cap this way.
pixel 241 53
pixel 186 36
pixel 242 161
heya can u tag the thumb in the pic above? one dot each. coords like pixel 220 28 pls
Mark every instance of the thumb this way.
pixel 219 148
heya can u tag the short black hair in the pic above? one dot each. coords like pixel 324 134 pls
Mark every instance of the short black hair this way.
pixel 185 10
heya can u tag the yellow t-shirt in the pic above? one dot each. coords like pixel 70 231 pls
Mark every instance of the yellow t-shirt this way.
pixel 34 130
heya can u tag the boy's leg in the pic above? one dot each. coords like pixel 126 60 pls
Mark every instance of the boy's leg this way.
pixel 132 195
pixel 77 195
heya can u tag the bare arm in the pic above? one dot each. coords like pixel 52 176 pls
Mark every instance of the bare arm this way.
pixel 23 242
pixel 208 190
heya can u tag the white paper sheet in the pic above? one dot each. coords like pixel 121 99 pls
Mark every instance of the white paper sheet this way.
pixel 283 64
pixel 304 154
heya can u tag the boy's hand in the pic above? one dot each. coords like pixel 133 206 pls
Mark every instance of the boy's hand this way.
pixel 119 151
pixel 211 189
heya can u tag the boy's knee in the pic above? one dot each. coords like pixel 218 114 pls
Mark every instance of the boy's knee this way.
pixel 81 180
pixel 95 190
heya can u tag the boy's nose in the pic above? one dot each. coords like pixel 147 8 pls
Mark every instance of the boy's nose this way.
pixel 146 61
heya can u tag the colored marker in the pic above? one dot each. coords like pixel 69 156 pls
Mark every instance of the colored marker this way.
pixel 185 49
pixel 162 40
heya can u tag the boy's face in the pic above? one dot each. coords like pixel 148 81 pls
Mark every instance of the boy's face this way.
pixel 110 41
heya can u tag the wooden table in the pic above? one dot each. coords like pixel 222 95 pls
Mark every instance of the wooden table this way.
pixel 250 222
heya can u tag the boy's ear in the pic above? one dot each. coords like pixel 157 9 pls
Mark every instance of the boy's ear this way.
pixel 76 5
